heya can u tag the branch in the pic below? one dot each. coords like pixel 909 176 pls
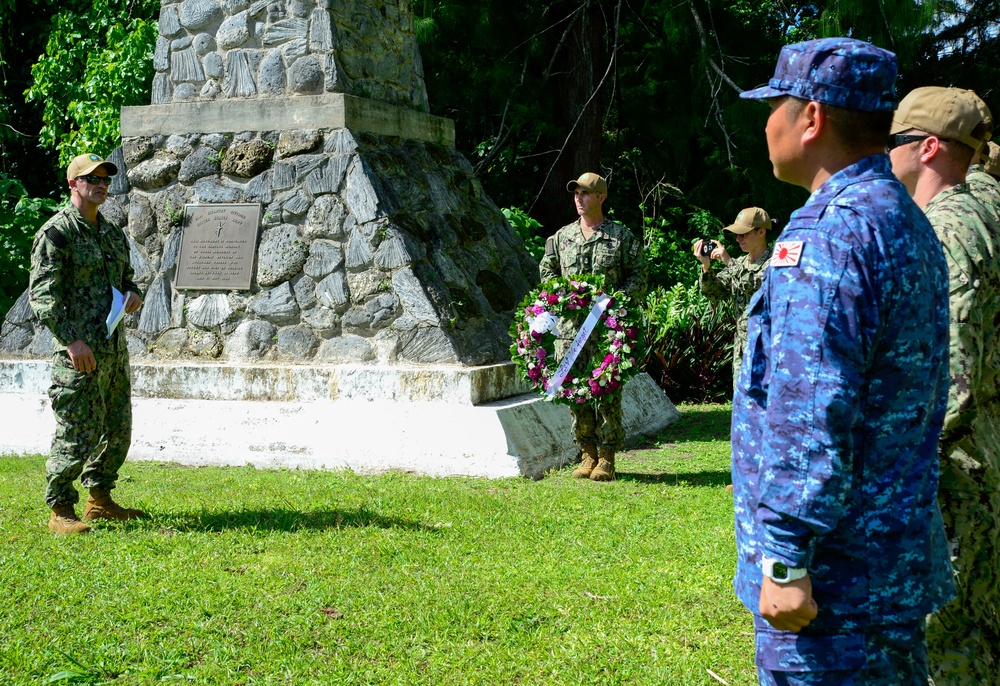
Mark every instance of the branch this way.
pixel 562 148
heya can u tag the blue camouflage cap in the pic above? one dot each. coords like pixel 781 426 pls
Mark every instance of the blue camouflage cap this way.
pixel 843 72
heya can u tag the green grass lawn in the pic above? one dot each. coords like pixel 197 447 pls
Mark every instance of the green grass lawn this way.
pixel 243 576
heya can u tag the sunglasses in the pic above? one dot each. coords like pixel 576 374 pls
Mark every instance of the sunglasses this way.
pixel 95 180
pixel 899 139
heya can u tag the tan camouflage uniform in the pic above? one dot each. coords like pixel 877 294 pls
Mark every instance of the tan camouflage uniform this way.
pixel 739 280
pixel 614 252
pixel 964 637
pixel 73 266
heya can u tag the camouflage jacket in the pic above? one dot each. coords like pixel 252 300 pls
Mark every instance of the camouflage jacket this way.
pixel 986 189
pixel 739 280
pixel 839 405
pixel 73 266
pixel 611 250
pixel 970 236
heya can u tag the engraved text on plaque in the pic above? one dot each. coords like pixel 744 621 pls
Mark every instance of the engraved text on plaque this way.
pixel 218 244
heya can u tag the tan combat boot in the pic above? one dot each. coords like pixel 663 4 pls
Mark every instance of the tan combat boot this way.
pixel 101 506
pixel 588 463
pixel 605 469
pixel 64 521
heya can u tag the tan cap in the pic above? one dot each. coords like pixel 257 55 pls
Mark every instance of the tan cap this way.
pixel 589 182
pixel 86 163
pixel 951 113
pixel 991 159
pixel 749 219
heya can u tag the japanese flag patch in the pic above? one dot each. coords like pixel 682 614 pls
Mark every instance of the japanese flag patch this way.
pixel 786 253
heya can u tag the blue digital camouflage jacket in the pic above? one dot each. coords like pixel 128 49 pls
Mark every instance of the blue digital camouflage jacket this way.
pixel 839 405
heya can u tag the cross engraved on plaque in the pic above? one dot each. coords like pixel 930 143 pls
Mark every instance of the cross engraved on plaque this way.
pixel 218 246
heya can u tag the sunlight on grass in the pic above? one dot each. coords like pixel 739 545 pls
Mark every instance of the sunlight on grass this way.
pixel 243 576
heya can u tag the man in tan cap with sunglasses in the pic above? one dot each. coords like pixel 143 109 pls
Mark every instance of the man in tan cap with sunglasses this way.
pixel 594 244
pixel 78 260
pixel 934 135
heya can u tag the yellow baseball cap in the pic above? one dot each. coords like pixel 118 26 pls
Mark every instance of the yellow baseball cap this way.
pixel 952 113
pixel 86 163
pixel 589 182
pixel 749 219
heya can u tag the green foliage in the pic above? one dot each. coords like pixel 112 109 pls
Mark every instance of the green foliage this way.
pixel 20 218
pixel 98 58
pixel 280 577
pixel 528 229
pixel 691 343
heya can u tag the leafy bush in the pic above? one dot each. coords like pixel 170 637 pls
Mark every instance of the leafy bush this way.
pixel 528 229
pixel 20 218
pixel 86 76
pixel 690 344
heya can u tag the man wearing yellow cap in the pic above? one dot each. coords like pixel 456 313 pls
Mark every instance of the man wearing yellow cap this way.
pixel 935 133
pixel 79 264
pixel 594 244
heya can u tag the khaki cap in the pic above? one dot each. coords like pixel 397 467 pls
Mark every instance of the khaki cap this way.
pixel 991 159
pixel 589 182
pixel 86 163
pixel 952 113
pixel 749 219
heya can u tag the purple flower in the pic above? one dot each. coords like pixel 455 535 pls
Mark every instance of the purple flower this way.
pixel 537 309
pixel 611 323
pixel 540 353
pixel 553 299
pixel 608 359
pixel 535 374
pixel 632 333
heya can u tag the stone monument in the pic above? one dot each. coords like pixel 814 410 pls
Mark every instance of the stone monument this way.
pixel 372 331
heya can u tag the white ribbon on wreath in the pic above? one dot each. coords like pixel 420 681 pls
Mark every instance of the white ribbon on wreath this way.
pixel 555 383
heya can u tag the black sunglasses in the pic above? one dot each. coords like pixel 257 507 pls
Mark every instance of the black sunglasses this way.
pixel 898 139
pixel 95 180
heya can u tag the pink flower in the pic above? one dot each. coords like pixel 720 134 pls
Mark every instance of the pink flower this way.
pixel 537 309
pixel 581 401
pixel 540 353
pixel 608 359
pixel 611 323
pixel 553 299
pixel 535 374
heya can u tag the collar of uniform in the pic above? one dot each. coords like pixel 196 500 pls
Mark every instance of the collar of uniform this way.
pixel 600 228
pixel 957 189
pixel 865 169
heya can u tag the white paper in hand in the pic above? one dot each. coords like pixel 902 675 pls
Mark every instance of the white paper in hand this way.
pixel 117 310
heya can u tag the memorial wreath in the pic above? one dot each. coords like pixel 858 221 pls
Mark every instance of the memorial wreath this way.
pixel 607 320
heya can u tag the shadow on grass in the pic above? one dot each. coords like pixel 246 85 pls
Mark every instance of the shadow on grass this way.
pixel 718 478
pixel 282 519
pixel 696 424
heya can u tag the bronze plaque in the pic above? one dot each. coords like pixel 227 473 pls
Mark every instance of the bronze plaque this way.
pixel 218 244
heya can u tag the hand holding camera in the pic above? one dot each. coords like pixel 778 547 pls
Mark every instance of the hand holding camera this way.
pixel 707 246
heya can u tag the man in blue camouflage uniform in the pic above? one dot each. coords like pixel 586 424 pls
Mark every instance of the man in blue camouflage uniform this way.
pixel 76 259
pixel 841 396
pixel 594 244
pixel 935 134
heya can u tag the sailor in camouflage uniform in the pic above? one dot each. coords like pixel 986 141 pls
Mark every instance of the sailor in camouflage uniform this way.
pixel 595 245
pixel 841 397
pixel 984 177
pixel 742 276
pixel 77 256
pixel 935 134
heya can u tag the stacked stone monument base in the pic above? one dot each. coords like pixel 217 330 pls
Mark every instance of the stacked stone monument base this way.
pixel 438 421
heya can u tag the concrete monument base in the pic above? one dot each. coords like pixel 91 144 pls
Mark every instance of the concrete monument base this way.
pixel 440 421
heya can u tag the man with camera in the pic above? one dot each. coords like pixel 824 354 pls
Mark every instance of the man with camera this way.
pixel 741 276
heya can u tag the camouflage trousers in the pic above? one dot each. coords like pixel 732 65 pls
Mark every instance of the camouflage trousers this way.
pixel 93 425
pixel 867 656
pixel 599 422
